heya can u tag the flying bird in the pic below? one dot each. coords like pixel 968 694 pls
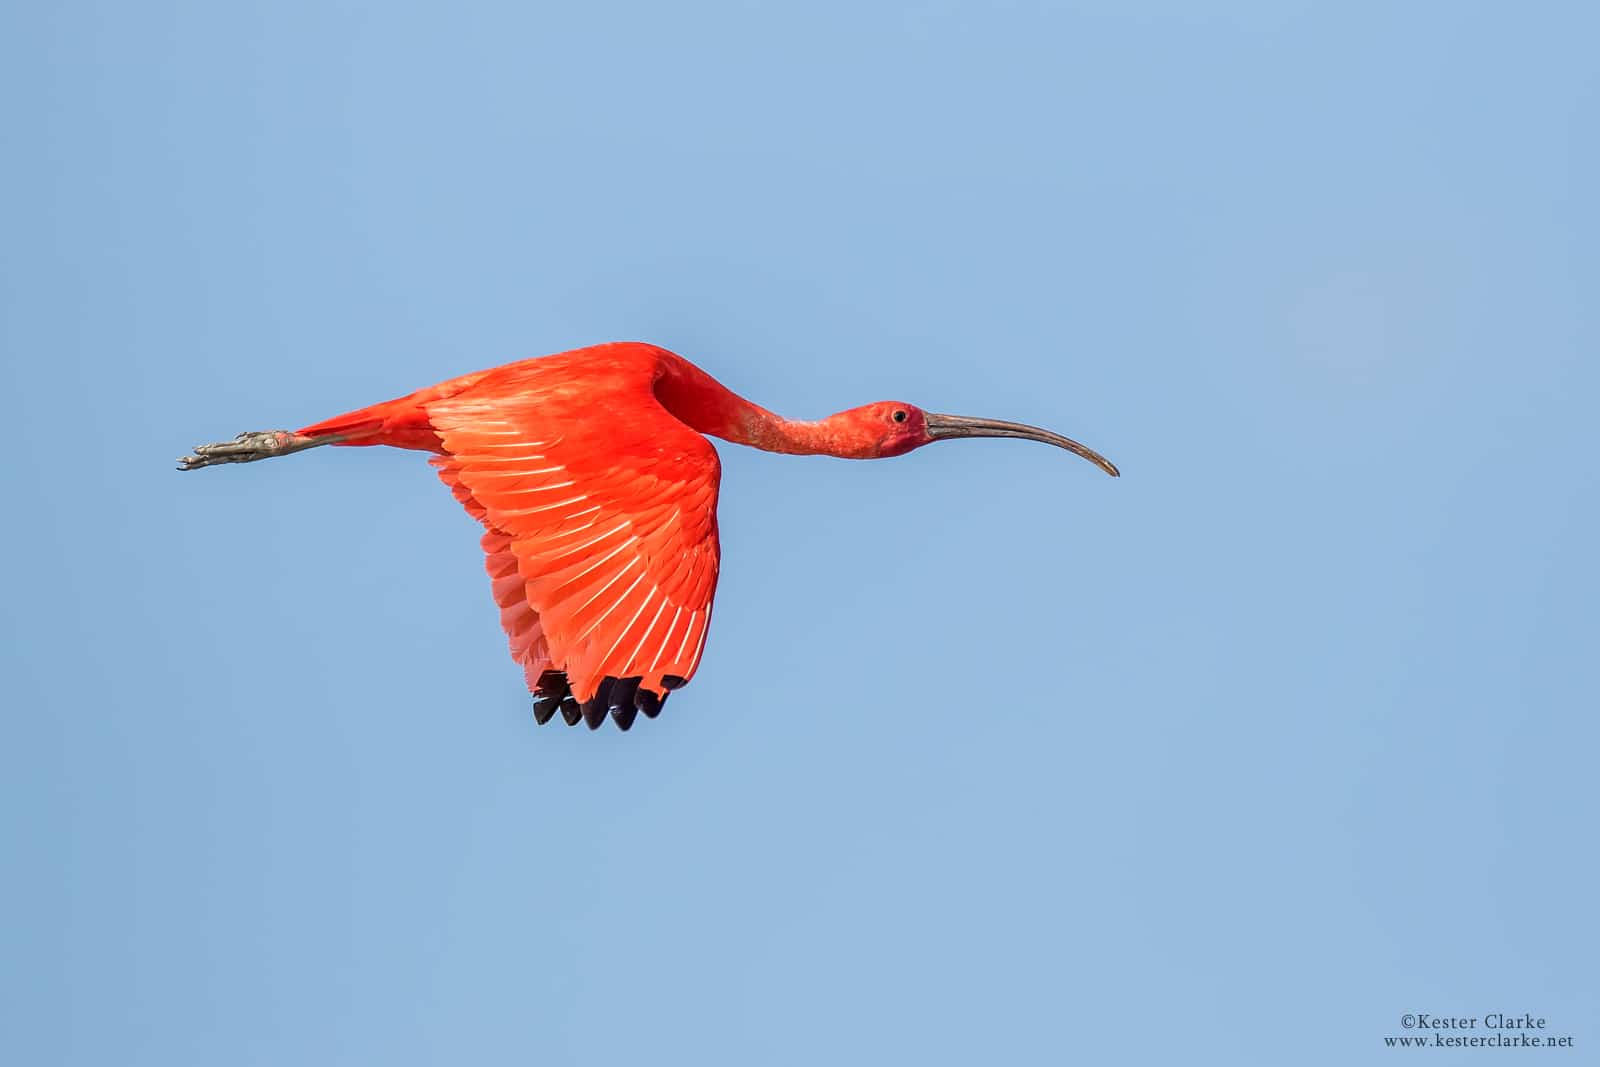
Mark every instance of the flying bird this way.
pixel 597 490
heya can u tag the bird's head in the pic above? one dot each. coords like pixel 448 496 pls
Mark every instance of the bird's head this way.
pixel 893 428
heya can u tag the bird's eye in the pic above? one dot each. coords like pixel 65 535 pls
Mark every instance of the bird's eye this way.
pixel 900 416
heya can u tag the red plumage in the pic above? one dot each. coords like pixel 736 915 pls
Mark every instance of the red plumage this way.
pixel 598 496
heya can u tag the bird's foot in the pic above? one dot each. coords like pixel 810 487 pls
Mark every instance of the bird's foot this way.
pixel 249 447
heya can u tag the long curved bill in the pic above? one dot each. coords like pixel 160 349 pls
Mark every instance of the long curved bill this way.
pixel 941 427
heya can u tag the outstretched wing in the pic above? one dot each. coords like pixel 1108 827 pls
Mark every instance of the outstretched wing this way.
pixel 602 507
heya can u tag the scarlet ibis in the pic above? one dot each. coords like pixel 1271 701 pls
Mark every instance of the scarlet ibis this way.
pixel 598 496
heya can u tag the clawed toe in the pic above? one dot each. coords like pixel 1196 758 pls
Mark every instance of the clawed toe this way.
pixel 246 448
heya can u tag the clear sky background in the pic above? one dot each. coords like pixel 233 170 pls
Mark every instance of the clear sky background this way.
pixel 992 759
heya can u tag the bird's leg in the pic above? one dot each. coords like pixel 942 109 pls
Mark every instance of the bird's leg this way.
pixel 249 447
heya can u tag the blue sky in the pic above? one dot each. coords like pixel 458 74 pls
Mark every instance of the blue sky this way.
pixel 992 759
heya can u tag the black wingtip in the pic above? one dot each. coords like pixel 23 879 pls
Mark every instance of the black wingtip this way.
pixel 621 699
pixel 647 701
pixel 548 693
pixel 595 708
pixel 544 708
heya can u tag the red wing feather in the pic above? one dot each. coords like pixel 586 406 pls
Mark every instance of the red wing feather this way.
pixel 517 617
pixel 601 505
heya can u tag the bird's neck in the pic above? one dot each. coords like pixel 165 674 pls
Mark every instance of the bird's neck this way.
pixel 710 407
